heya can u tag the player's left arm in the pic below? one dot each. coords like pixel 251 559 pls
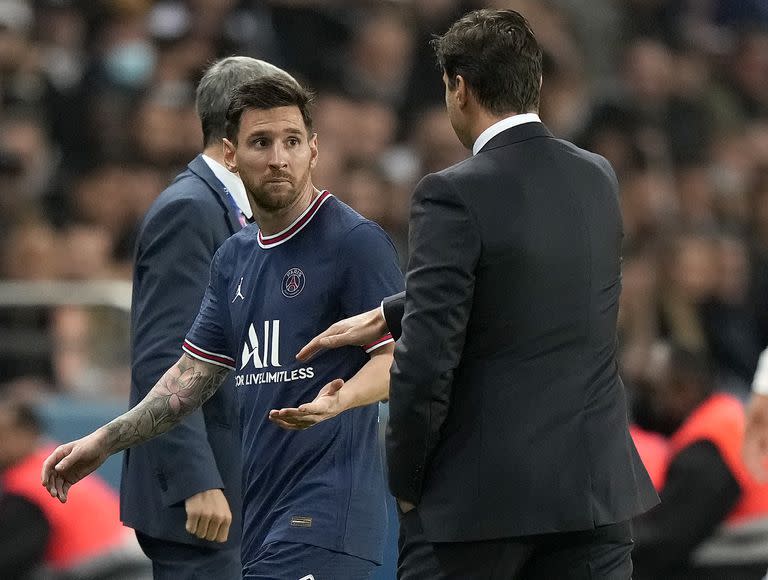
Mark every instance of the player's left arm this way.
pixel 182 389
pixel 369 385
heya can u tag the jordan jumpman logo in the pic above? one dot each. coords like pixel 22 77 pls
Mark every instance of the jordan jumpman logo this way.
pixel 239 293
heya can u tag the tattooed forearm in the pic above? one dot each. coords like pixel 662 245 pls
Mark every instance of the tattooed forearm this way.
pixel 181 390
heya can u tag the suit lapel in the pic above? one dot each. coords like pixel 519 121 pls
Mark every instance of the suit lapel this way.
pixel 199 167
pixel 517 134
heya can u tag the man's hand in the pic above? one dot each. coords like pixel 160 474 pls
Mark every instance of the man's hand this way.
pixel 71 462
pixel 358 330
pixel 756 437
pixel 327 404
pixel 208 515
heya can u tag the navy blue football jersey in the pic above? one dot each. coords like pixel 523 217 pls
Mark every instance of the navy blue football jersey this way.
pixel 267 297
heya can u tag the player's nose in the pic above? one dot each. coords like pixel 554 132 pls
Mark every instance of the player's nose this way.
pixel 277 158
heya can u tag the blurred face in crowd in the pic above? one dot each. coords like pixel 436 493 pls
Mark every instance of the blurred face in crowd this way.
pixel 274 154
pixel 693 267
pixel 647 71
pixel 30 253
pixel 669 392
pixel 436 142
pixel 383 47
pixel 15 441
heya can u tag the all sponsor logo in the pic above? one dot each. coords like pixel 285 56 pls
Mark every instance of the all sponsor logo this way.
pixel 261 352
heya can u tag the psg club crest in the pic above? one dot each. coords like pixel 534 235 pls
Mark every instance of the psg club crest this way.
pixel 293 283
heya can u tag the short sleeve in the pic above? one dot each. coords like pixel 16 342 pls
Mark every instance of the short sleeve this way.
pixel 370 271
pixel 209 338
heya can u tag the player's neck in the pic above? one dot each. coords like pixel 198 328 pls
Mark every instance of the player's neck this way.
pixel 273 222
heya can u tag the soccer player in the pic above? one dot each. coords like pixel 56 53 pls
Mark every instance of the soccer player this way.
pixel 313 498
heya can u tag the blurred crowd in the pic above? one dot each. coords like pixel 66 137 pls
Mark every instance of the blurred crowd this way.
pixel 97 116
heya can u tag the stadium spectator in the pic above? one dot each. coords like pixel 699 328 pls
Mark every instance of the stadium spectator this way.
pixel 711 523
pixel 84 540
pixel 23 537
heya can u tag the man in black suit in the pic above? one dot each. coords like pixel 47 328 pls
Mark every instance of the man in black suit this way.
pixel 181 491
pixel 508 446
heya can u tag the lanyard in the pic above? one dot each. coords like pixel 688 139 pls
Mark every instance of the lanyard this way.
pixel 236 209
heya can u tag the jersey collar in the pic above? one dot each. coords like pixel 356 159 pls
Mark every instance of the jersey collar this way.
pixel 298 224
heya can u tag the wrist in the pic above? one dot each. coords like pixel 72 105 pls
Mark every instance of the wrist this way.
pixel 380 322
pixel 105 440
pixel 346 400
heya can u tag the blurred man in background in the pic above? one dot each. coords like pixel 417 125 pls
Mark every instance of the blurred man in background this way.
pixel 84 540
pixel 713 519
pixel 181 492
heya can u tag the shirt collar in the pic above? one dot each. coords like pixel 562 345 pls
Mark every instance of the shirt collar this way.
pixel 500 126
pixel 232 183
pixel 298 224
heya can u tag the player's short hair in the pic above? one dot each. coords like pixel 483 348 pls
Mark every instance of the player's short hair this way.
pixel 496 53
pixel 215 91
pixel 268 92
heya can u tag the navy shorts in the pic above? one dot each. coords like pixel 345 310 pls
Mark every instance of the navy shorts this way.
pixel 288 561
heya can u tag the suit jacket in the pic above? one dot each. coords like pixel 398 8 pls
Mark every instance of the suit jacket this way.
pixel 507 413
pixel 178 237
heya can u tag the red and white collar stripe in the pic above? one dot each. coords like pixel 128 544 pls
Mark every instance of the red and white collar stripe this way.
pixel 298 224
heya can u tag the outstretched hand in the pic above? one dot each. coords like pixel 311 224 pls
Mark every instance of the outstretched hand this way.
pixel 71 462
pixel 357 330
pixel 327 404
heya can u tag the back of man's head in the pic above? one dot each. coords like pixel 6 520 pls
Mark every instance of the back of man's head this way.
pixel 214 91
pixel 497 55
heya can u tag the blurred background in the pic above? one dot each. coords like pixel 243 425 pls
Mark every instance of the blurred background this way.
pixel 97 116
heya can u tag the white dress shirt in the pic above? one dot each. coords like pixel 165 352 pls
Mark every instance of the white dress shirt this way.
pixel 232 183
pixel 503 125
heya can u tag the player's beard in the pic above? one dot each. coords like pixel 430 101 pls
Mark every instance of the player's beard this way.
pixel 272 198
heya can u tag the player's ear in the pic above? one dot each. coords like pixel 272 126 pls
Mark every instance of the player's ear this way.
pixel 230 157
pixel 313 150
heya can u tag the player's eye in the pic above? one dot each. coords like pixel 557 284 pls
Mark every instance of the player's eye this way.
pixel 293 141
pixel 260 142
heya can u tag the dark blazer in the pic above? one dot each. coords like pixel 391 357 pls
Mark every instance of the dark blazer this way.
pixel 178 237
pixel 507 413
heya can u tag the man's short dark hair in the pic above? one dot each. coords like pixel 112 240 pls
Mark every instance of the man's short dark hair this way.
pixel 497 54
pixel 215 89
pixel 268 92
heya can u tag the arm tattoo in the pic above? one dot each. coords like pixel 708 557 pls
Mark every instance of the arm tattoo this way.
pixel 182 389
